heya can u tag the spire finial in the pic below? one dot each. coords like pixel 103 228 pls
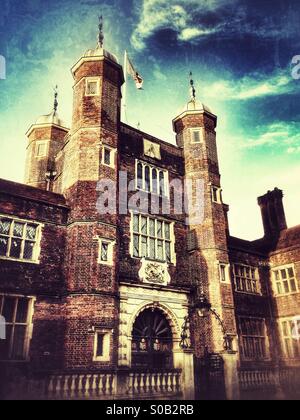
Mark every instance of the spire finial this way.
pixel 55 99
pixel 193 90
pixel 100 35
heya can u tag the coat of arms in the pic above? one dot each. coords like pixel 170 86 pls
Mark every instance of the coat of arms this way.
pixel 152 272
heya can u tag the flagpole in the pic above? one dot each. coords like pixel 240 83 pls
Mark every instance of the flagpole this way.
pixel 125 87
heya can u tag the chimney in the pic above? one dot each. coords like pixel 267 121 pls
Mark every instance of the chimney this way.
pixel 272 211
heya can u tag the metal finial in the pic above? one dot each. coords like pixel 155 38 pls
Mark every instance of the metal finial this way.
pixel 193 90
pixel 100 35
pixel 55 98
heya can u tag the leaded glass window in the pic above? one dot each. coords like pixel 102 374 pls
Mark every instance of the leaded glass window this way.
pixel 152 238
pixel 105 251
pixel 18 239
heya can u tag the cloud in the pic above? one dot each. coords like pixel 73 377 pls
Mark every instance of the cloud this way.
pixel 192 20
pixel 283 136
pixel 176 15
pixel 191 33
pixel 252 87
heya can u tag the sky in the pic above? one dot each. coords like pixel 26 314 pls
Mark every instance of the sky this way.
pixel 240 53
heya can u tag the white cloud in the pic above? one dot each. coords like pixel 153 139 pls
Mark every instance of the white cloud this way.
pixel 191 33
pixel 250 87
pixel 284 136
pixel 172 14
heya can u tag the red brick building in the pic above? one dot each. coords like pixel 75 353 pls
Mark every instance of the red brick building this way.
pixel 104 301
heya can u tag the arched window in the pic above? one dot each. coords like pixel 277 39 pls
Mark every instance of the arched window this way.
pixel 140 176
pixel 152 343
pixel 162 184
pixel 147 178
pixel 154 181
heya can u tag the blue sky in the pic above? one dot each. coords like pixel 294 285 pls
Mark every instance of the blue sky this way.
pixel 240 52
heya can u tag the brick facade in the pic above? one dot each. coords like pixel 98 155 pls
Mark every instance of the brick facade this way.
pixel 75 295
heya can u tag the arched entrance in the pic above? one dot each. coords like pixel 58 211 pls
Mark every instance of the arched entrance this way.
pixel 152 342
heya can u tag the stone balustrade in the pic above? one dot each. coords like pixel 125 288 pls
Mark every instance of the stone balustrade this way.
pixel 155 383
pixel 105 385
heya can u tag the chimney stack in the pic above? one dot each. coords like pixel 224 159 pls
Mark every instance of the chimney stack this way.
pixel 272 210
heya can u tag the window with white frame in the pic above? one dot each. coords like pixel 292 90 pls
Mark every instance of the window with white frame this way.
pixel 19 240
pixel 152 239
pixel 102 341
pixel 92 87
pixel 108 156
pixel 224 270
pixel 216 194
pixel 151 179
pixel 197 136
pixel 41 149
pixel 17 312
pixel 253 338
pixel 284 280
pixel 246 279
pixel 290 333
pixel 106 248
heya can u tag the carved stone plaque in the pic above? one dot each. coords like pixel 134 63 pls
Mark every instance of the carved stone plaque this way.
pixel 154 272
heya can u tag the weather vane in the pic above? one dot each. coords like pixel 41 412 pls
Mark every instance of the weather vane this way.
pixel 100 36
pixel 193 89
pixel 55 98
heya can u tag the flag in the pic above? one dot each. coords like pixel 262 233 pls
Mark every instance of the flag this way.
pixel 139 81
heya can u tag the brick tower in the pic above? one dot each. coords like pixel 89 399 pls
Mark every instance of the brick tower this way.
pixel 45 140
pixel 90 155
pixel 209 261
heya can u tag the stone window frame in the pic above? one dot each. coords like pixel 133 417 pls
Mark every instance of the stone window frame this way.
pixel 224 276
pixel 288 348
pixel 216 194
pixel 199 130
pixel 107 337
pixel 92 80
pixel 140 184
pixel 110 251
pixel 246 279
pixel 13 323
pixel 254 338
pixel 284 283
pixel 37 145
pixel 112 156
pixel 172 241
pixel 37 241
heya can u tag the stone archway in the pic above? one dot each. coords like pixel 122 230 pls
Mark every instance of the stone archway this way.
pixel 152 340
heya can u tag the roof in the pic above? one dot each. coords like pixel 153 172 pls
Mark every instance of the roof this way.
pixel 52 118
pixel 101 52
pixel 31 193
pixel 245 246
pixel 287 238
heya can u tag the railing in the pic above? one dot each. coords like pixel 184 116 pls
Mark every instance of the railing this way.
pixel 80 386
pixel 256 379
pixel 155 383
pixel 106 385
